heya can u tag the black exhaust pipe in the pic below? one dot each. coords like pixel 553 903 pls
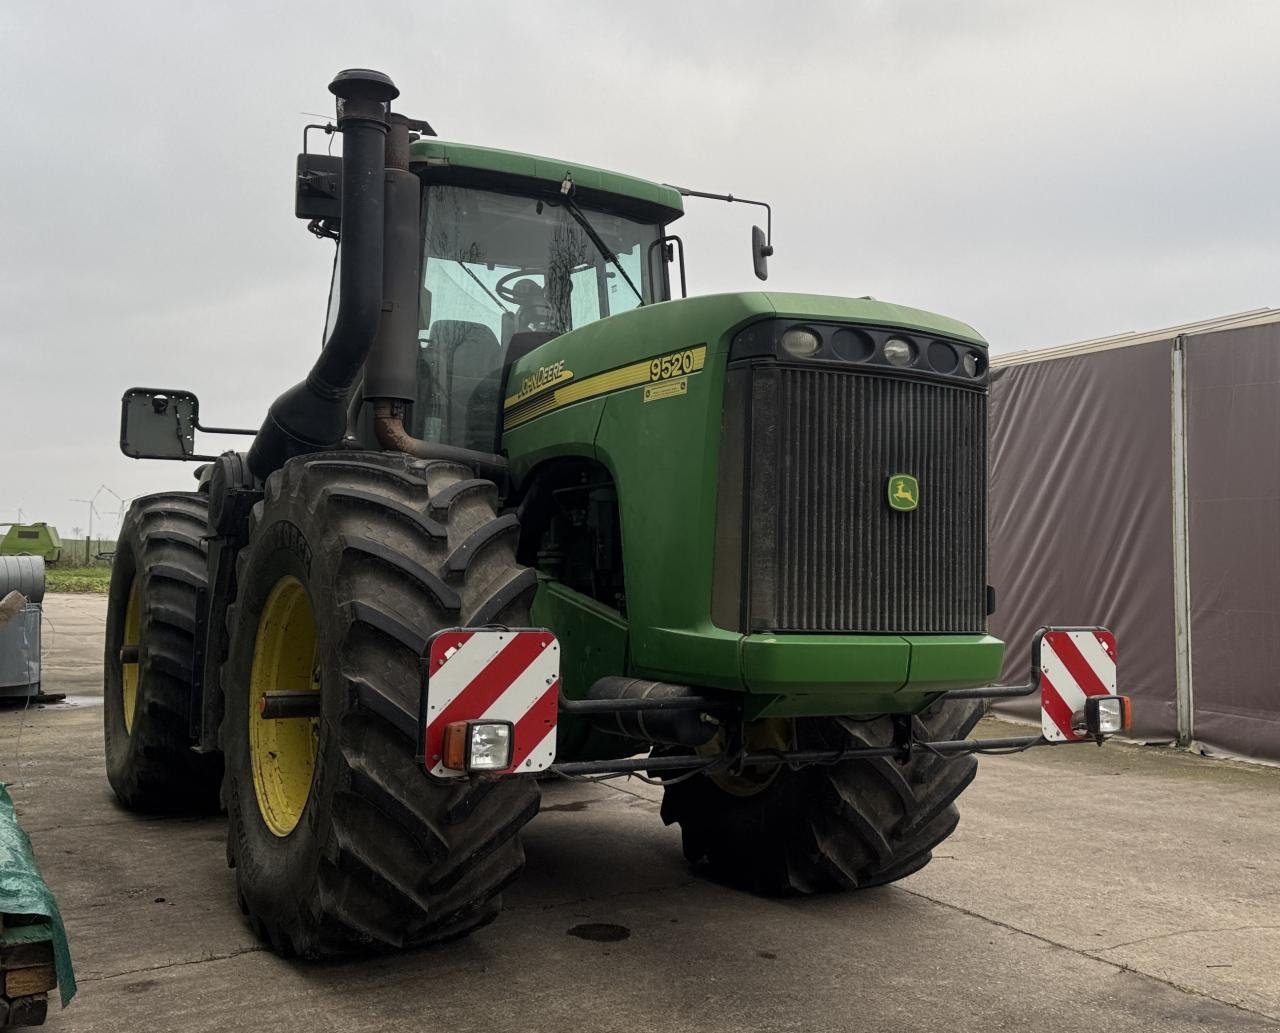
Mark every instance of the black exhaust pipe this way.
pixel 312 416
pixel 391 372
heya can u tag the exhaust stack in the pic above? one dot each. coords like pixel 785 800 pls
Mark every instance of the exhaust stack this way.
pixel 312 415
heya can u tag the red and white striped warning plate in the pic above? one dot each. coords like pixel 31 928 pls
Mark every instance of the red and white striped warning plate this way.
pixel 1074 664
pixel 507 675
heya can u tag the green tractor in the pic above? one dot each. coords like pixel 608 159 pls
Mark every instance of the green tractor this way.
pixel 528 515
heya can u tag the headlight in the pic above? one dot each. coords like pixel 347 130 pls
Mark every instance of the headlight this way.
pixel 801 343
pixel 898 352
pixel 973 364
pixel 1103 716
pixel 480 745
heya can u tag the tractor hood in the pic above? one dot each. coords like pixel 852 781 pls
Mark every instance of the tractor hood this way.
pixel 684 409
pixel 616 353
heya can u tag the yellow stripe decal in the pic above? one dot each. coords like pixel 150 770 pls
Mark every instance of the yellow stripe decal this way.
pixel 541 379
pixel 660 368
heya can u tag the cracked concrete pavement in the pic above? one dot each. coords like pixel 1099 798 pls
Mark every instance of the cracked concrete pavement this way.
pixel 1086 889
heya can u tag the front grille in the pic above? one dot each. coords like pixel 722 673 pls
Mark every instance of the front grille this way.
pixel 824 551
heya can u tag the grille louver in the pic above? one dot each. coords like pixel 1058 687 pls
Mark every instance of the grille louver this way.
pixel 826 553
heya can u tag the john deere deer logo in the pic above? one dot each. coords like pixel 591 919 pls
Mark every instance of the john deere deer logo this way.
pixel 904 492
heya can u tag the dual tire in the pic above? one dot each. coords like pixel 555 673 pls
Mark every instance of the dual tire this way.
pixel 339 839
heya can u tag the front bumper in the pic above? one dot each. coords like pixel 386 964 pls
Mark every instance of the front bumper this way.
pixel 821 675
pixel 1072 669
pixel 511 677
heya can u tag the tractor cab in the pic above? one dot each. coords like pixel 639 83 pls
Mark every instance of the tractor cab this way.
pixel 505 268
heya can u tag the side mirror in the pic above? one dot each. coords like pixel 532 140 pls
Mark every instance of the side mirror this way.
pixel 319 187
pixel 761 249
pixel 158 424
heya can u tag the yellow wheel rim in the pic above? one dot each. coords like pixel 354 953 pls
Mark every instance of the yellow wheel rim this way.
pixel 770 734
pixel 131 640
pixel 282 751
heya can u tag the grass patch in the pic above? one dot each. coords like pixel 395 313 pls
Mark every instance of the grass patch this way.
pixel 77 579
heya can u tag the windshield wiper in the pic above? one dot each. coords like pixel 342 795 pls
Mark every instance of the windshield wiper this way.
pixel 501 307
pixel 572 206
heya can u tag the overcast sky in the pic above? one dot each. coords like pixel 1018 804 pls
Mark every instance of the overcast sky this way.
pixel 1045 171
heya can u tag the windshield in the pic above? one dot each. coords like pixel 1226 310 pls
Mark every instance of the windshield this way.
pixel 502 274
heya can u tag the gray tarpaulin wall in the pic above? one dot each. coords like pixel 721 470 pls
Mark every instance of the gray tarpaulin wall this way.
pixel 1135 483
pixel 1233 490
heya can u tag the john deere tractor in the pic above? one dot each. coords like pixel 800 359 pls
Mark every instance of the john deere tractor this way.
pixel 528 516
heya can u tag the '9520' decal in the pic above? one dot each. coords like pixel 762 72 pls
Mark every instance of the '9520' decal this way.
pixel 664 376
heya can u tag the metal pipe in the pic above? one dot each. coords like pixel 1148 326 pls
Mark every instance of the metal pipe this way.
pixel 693 763
pixel 285 705
pixel 311 416
pixel 596 707
pixel 391 371
pixel 993 692
pixel 389 429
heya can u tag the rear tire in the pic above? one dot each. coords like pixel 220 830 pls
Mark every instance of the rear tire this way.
pixel 380 856
pixel 158 571
pixel 843 826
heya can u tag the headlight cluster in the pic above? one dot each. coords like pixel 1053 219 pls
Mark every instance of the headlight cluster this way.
pixel 909 351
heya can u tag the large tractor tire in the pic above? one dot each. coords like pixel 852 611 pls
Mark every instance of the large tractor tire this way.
pixel 340 841
pixel 149 665
pixel 851 825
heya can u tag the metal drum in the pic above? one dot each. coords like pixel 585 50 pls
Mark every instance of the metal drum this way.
pixel 23 574
pixel 20 634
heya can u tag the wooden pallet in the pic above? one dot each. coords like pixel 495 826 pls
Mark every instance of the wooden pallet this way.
pixel 27 972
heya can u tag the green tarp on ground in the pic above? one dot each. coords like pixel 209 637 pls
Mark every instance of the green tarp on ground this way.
pixel 23 892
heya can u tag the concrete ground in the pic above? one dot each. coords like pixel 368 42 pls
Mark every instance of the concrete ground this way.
pixel 1087 889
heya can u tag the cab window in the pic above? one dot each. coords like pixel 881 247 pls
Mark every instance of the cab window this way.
pixel 502 273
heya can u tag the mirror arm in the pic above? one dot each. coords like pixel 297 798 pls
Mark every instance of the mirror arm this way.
pixel 768 218
pixel 327 128
pixel 222 430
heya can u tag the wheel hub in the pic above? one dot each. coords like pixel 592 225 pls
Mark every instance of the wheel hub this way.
pixel 282 751
pixel 759 736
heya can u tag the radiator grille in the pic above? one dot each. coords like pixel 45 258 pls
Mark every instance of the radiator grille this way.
pixel 826 551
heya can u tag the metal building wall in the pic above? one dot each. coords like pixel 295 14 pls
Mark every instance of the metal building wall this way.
pixel 1137 485
pixel 1081 515
pixel 1233 504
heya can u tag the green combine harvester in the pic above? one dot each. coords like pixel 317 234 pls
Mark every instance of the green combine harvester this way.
pixel 530 514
